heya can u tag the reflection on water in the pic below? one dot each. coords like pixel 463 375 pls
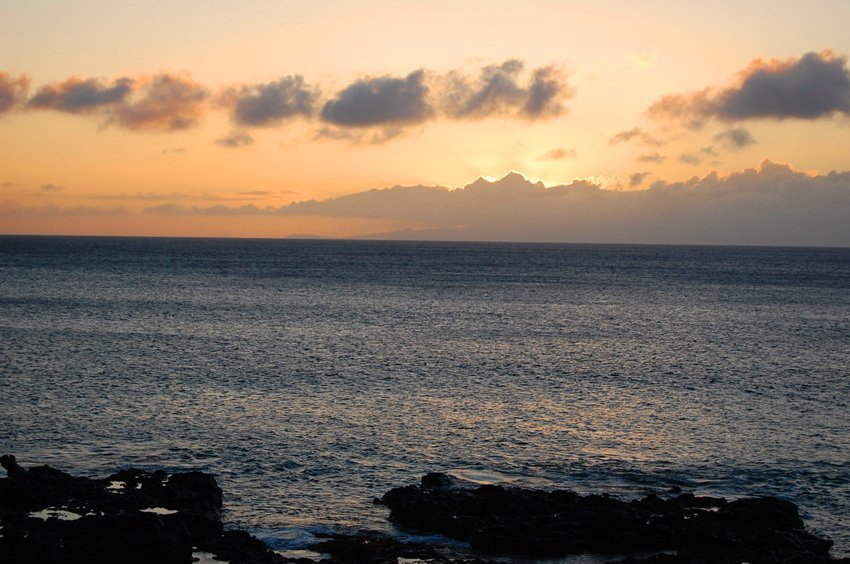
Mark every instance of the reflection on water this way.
pixel 312 376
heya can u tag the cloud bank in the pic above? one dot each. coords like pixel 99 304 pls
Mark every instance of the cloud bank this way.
pixel 772 204
pixel 371 109
pixel 816 85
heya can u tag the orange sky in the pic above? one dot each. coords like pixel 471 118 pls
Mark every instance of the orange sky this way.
pixel 112 115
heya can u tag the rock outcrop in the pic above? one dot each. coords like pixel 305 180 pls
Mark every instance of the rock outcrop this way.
pixel 133 516
pixel 677 528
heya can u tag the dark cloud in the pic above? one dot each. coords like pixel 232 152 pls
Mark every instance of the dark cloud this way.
pixel 166 102
pixel 546 94
pixel 735 138
pixel 51 188
pixel 236 139
pixel 273 102
pixel 768 205
pixel 638 135
pixel 813 86
pixel 380 101
pixel 497 92
pixel 558 155
pixel 636 179
pixel 76 95
pixel 652 158
pixel 369 110
pixel 13 91
pixel 174 151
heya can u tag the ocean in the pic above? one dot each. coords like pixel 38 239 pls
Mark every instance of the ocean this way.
pixel 311 376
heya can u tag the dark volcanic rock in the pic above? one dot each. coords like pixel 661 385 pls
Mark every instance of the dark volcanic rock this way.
pixel 536 523
pixel 132 516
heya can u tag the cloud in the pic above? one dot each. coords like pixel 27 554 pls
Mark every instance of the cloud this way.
pixel 218 210
pixel 498 92
pixel 771 204
pixel 269 193
pixel 652 158
pixel 174 151
pixel 697 157
pixel 735 138
pixel 13 91
pixel 641 61
pixel 380 101
pixel 546 94
pixel 51 188
pixel 637 178
pixel 374 109
pixel 272 102
pixel 816 85
pixel 79 96
pixel 236 139
pixel 637 134
pixel 15 209
pixel 557 155
pixel 165 102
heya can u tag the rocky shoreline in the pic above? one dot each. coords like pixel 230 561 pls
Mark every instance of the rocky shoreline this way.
pixel 135 516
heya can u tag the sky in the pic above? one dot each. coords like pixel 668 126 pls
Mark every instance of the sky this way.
pixel 611 121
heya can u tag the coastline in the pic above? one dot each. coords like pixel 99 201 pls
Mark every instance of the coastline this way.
pixel 138 516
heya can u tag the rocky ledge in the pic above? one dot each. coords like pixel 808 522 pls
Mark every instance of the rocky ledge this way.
pixel 134 516
pixel 48 516
pixel 679 527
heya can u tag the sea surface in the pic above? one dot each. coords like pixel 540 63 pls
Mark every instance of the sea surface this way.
pixel 311 376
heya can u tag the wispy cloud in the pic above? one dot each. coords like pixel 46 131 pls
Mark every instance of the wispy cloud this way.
pixel 51 188
pixel 652 158
pixel 735 138
pixel 497 91
pixel 171 209
pixel 697 157
pixel 236 139
pixel 167 102
pixel 558 154
pixel 636 179
pixel 14 208
pixel 163 102
pixel 636 134
pixel 816 85
pixel 13 91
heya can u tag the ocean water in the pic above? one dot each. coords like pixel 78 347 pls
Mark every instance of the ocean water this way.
pixel 312 376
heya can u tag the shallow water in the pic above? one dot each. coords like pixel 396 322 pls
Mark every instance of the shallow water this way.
pixel 312 376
